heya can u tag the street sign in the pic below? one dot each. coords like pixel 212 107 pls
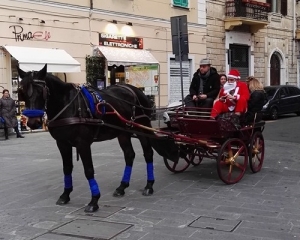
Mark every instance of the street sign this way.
pixel 180 42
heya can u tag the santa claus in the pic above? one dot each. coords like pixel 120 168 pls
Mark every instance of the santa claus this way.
pixel 233 96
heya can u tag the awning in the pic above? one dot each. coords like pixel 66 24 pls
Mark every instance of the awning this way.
pixel 34 59
pixel 126 56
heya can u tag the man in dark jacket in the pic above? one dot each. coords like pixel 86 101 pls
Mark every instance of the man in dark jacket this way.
pixel 205 86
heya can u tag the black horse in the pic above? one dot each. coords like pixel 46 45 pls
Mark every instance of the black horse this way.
pixel 73 122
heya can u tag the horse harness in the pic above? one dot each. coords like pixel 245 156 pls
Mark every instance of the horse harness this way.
pixel 92 98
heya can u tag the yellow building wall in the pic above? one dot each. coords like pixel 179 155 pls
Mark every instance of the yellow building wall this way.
pixel 74 28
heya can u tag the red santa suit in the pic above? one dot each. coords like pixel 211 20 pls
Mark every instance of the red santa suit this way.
pixel 239 90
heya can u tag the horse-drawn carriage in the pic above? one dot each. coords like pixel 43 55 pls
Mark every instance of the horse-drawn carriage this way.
pixel 80 115
pixel 196 136
pixel 232 146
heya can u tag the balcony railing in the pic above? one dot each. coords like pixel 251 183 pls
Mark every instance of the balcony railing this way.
pixel 247 9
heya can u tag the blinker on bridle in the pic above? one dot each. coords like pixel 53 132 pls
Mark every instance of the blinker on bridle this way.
pixel 45 92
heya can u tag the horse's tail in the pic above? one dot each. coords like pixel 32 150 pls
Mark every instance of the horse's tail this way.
pixel 166 148
pixel 163 145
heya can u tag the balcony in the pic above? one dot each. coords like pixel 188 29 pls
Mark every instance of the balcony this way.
pixel 298 29
pixel 246 12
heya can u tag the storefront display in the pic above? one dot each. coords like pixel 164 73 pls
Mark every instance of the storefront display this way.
pixel 143 76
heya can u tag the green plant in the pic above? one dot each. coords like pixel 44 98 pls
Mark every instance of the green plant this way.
pixel 95 69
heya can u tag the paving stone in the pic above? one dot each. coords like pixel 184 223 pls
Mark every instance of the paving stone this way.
pixel 140 221
pixel 103 212
pixel 215 224
pixel 51 236
pixel 206 234
pixel 263 219
pixel 270 234
pixel 266 226
pixel 130 235
pixel 92 229
pixel 213 214
pixel 151 236
pixel 167 215
pixel 247 211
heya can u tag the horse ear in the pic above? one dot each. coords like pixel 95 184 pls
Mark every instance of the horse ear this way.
pixel 42 73
pixel 21 73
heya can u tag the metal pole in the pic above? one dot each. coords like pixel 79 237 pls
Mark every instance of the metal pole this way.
pixel 158 72
pixel 180 56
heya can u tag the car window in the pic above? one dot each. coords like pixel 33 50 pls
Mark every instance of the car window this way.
pixel 294 91
pixel 270 92
pixel 283 92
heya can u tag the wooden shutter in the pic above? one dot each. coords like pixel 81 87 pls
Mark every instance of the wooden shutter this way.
pixel 181 3
pixel 284 7
pixel 177 2
pixel 184 3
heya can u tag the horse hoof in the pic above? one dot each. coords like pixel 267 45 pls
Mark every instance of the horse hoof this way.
pixel 148 191
pixel 91 208
pixel 63 201
pixel 119 193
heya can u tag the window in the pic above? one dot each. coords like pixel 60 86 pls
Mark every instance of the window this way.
pixel 284 92
pixel 279 6
pixel 181 3
pixel 294 91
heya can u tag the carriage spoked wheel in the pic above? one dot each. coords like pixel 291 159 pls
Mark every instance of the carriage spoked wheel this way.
pixel 232 161
pixel 196 158
pixel 256 152
pixel 183 163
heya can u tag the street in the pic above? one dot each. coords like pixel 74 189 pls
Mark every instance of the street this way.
pixel 192 205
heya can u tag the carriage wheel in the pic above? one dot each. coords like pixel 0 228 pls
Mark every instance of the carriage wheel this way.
pixel 196 158
pixel 232 161
pixel 256 152
pixel 179 167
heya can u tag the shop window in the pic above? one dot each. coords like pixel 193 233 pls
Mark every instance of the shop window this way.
pixel 279 6
pixel 181 3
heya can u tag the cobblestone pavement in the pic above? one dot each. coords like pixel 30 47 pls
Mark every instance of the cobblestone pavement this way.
pixel 192 205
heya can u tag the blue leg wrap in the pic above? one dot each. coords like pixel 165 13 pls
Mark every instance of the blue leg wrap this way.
pixel 68 181
pixel 127 174
pixel 94 187
pixel 150 172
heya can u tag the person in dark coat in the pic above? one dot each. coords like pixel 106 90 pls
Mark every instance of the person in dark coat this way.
pixel 256 101
pixel 8 113
pixel 204 87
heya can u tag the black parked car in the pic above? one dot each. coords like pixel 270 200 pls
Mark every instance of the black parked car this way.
pixel 282 99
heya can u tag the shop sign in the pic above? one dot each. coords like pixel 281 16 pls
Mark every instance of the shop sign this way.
pixel 121 41
pixel 21 35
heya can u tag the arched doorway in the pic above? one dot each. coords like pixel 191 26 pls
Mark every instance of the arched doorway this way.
pixel 275 69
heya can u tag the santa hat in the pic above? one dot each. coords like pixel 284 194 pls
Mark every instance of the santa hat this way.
pixel 234 73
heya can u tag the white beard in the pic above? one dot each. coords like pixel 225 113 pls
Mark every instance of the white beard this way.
pixel 229 87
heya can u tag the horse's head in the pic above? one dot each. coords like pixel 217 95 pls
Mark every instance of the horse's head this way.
pixel 34 92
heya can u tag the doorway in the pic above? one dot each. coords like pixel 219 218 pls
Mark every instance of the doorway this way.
pixel 116 74
pixel 275 70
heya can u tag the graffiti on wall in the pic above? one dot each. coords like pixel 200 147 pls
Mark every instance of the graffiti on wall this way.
pixel 21 35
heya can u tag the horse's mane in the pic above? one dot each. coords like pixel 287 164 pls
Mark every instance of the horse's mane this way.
pixel 51 79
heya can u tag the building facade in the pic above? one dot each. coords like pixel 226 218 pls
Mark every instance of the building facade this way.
pixel 257 37
pixel 83 28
